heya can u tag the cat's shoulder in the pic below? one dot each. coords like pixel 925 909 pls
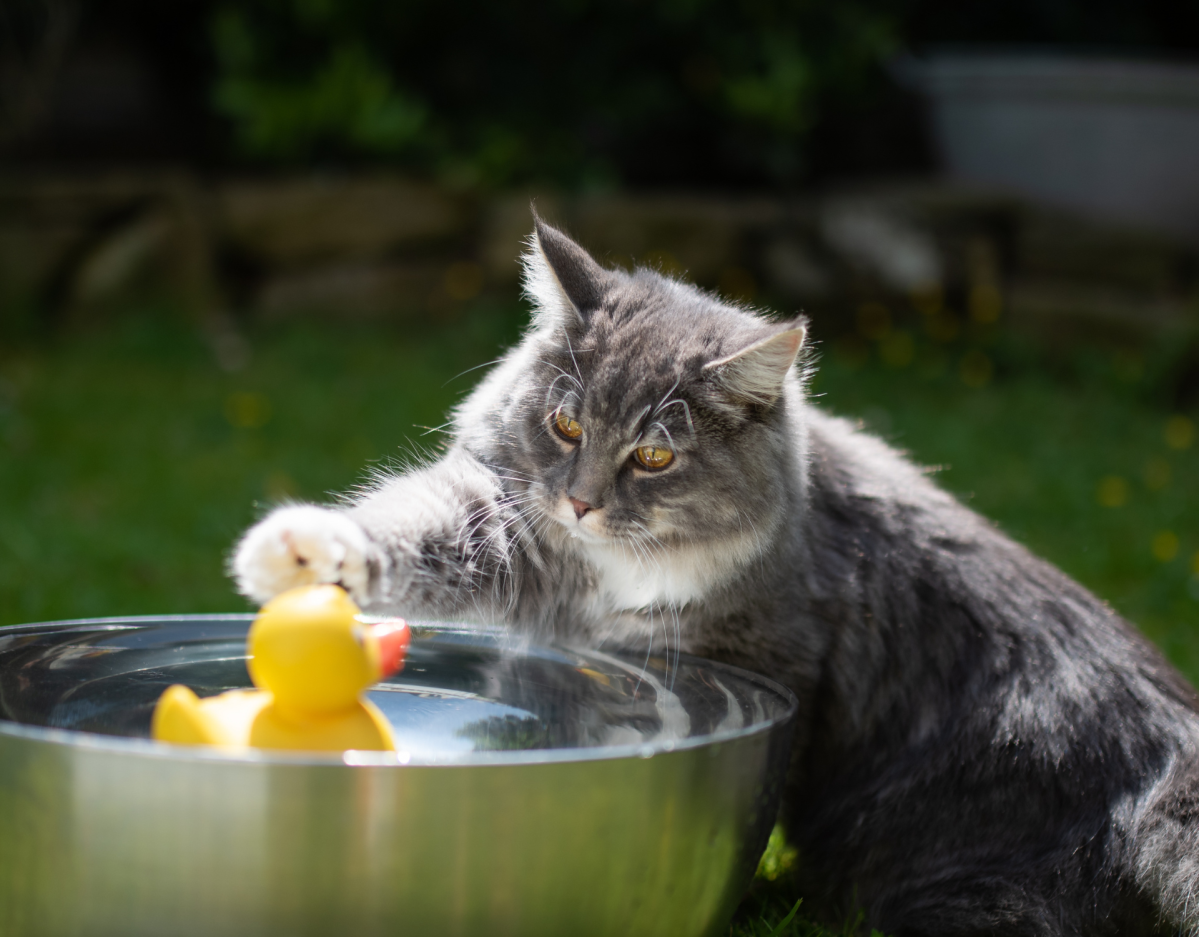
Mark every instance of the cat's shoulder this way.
pixel 843 456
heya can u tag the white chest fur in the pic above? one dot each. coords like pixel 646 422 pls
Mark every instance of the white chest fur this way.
pixel 636 579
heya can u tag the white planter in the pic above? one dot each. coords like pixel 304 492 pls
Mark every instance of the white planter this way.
pixel 1114 138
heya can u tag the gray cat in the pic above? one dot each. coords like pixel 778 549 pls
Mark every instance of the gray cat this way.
pixel 983 747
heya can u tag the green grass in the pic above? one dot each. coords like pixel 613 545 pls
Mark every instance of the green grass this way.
pixel 129 462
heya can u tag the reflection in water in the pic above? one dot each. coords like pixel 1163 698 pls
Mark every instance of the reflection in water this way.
pixel 674 723
pixel 460 691
pixel 506 734
pixel 431 725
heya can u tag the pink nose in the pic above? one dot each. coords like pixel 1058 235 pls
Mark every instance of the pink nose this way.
pixel 581 507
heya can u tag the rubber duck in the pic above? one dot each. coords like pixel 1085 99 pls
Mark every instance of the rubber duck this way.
pixel 310 657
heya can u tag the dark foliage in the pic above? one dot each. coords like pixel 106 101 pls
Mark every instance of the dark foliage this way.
pixel 578 92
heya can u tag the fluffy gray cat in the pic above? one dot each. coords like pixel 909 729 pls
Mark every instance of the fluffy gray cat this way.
pixel 983 747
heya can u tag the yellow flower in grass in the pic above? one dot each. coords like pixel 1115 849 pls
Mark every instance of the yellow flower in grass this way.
pixel 1112 491
pixel 1165 545
pixel 1180 432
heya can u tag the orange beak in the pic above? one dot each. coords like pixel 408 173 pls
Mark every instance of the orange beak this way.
pixel 394 637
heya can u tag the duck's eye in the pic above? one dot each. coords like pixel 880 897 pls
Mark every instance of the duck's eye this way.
pixel 566 427
pixel 653 457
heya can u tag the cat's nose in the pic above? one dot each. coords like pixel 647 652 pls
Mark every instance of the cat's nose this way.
pixel 581 507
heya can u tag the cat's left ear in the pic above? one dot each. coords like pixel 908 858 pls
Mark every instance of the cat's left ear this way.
pixel 755 374
pixel 560 277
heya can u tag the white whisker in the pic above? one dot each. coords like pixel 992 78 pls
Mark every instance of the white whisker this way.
pixel 665 431
pixel 665 396
pixel 686 412
pixel 636 421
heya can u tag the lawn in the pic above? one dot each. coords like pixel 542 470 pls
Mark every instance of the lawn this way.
pixel 129 461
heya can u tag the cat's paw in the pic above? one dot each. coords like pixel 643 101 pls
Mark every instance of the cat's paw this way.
pixel 296 546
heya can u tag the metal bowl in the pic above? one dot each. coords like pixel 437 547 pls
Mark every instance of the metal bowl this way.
pixel 539 791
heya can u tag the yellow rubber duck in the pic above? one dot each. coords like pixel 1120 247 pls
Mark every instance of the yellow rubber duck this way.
pixel 310 657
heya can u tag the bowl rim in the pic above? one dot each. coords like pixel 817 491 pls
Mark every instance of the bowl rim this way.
pixel 76 739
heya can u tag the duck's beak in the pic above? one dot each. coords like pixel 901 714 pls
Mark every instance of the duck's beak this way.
pixel 394 637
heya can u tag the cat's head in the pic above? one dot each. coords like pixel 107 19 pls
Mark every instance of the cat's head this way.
pixel 640 410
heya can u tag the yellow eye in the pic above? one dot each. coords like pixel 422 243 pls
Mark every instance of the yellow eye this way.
pixel 654 457
pixel 566 427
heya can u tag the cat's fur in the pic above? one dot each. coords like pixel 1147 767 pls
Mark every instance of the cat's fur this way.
pixel 983 747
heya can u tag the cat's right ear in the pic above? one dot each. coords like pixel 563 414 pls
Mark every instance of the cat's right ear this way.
pixel 562 279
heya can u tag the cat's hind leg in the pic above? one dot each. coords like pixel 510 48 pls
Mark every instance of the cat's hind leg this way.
pixel 987 906
pixel 1167 850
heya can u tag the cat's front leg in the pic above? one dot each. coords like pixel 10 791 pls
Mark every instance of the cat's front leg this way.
pixel 443 540
pixel 303 544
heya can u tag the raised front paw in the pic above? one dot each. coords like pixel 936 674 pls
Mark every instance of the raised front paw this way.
pixel 295 546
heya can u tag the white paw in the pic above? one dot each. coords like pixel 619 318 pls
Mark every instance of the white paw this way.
pixel 296 546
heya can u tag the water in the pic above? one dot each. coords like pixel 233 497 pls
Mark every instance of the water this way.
pixel 460 691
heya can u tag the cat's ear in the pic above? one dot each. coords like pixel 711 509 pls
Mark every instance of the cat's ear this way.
pixel 755 373
pixel 560 277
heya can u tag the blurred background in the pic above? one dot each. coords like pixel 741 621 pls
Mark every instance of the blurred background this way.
pixel 251 250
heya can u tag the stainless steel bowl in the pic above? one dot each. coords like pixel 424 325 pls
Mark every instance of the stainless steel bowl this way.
pixel 540 791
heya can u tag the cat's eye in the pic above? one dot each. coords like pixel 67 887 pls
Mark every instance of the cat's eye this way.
pixel 653 457
pixel 566 427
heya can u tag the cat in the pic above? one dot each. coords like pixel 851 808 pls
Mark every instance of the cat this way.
pixel 982 746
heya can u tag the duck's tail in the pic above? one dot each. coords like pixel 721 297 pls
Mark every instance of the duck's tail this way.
pixel 178 718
